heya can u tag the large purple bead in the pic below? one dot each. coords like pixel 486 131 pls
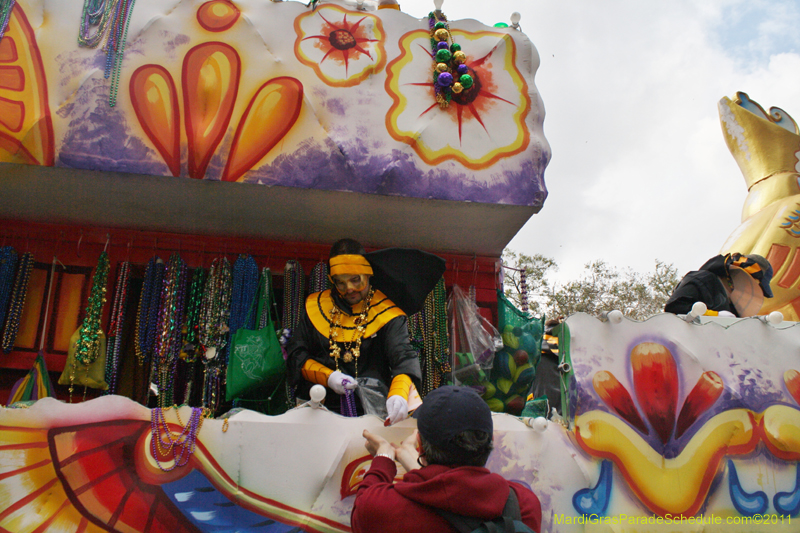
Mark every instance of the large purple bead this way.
pixel 445 79
pixel 462 69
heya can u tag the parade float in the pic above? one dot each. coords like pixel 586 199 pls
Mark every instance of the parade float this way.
pixel 201 130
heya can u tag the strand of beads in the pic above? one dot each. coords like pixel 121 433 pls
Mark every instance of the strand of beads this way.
pixel 8 266
pixel 450 71
pixel 245 286
pixel 215 308
pixel 5 14
pixel 266 280
pixel 318 280
pixel 193 307
pixel 96 13
pixel 180 446
pixel 336 336
pixel 435 342
pixel 213 329
pixel 191 346
pixel 17 301
pixel 87 347
pixel 112 19
pixel 147 316
pixel 116 47
pixel 523 293
pixel 348 402
pixel 118 308
pixel 173 299
pixel 293 294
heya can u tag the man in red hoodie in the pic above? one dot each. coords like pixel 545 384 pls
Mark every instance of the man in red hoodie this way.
pixel 455 436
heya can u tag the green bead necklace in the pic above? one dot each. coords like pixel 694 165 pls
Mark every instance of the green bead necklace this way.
pixel 87 348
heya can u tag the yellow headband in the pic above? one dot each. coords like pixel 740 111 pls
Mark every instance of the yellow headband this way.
pixel 350 264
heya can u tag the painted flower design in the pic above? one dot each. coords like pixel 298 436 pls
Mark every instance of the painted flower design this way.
pixel 655 380
pixel 641 439
pixel 343 47
pixel 481 125
pixel 781 422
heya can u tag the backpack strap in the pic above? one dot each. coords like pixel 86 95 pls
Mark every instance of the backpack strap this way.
pixel 468 524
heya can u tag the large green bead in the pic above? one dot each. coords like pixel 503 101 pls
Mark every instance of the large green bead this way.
pixel 466 81
pixel 443 56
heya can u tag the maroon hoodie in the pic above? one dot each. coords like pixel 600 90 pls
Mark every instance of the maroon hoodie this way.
pixel 382 506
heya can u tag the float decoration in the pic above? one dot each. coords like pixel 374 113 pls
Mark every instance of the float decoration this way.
pixel 450 72
pixel 206 96
pixel 766 146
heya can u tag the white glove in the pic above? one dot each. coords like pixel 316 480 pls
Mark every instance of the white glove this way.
pixel 727 314
pixel 397 409
pixel 341 382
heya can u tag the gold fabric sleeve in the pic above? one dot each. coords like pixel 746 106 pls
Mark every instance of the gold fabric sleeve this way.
pixel 315 372
pixel 401 385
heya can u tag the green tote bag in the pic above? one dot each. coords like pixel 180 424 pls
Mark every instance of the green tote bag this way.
pixel 255 358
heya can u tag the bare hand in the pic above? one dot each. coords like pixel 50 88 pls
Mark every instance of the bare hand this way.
pixel 376 444
pixel 406 452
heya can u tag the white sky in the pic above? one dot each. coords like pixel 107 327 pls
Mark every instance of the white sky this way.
pixel 640 169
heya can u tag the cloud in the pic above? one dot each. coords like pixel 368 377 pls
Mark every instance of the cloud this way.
pixel 640 169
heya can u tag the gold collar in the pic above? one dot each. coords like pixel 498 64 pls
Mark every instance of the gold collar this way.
pixel 382 310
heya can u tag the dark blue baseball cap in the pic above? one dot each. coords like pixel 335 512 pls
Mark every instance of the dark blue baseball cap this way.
pixel 447 411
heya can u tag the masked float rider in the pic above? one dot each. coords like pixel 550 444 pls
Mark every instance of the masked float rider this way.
pixel 352 332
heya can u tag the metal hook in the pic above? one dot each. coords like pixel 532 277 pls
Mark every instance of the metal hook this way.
pixel 128 256
pixel 78 248
pixel 108 239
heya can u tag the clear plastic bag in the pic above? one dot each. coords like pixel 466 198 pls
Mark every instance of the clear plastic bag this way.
pixel 473 340
pixel 372 393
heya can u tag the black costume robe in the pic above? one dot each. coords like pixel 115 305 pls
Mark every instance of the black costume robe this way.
pixel 385 348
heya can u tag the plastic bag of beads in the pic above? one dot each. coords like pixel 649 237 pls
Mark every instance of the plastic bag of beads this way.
pixel 473 339
pixel 372 392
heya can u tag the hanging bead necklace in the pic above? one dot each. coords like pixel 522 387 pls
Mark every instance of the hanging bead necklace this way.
pixel 8 266
pixel 5 14
pixel 267 289
pixel 95 13
pixel 213 330
pixel 116 47
pixel 173 298
pixel 17 301
pixel 111 19
pixel 180 446
pixel 431 325
pixel 318 281
pixel 352 348
pixel 87 347
pixel 450 71
pixel 147 316
pixel 191 327
pixel 215 309
pixel 191 347
pixel 118 309
pixel 347 402
pixel 245 286
pixel 293 293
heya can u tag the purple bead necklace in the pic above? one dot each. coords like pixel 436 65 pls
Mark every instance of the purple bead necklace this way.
pixel 180 446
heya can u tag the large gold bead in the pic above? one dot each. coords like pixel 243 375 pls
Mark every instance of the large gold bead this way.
pixel 459 57
pixel 457 88
pixel 441 34
pixel 442 67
